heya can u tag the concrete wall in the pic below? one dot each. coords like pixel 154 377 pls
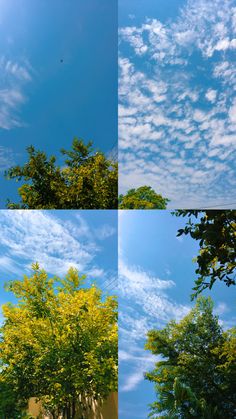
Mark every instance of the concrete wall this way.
pixel 107 410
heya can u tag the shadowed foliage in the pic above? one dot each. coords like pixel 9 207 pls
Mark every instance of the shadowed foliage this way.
pixel 216 233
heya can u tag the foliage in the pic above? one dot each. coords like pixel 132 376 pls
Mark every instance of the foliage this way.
pixel 10 408
pixel 216 233
pixel 87 181
pixel 142 198
pixel 196 373
pixel 59 341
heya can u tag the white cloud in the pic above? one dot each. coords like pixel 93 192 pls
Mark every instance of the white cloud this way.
pixel 14 76
pixel 105 231
pixel 221 309
pixel 149 293
pixel 143 305
pixel 169 125
pixel 132 381
pixel 232 113
pixel 36 236
pixel 18 71
pixel 6 158
pixel 211 95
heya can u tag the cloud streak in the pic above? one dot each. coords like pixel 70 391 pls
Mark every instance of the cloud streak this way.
pixel 144 305
pixel 14 77
pixel 56 244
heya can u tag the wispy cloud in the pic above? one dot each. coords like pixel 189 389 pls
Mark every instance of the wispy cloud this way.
pixel 14 77
pixel 177 126
pixel 6 158
pixel 105 231
pixel 133 380
pixel 30 236
pixel 149 293
pixel 144 305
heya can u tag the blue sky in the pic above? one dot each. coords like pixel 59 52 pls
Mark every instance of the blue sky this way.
pixel 177 113
pixel 58 240
pixel 45 102
pixel 156 276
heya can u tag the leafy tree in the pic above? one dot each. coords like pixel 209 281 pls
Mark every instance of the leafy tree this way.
pixel 196 374
pixel 59 342
pixel 142 198
pixel 216 233
pixel 87 181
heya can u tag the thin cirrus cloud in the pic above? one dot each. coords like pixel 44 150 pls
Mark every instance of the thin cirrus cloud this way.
pixel 14 77
pixel 144 305
pixel 177 113
pixel 56 244
pixel 6 158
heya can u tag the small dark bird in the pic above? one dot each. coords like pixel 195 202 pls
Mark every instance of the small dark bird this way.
pixel 61 60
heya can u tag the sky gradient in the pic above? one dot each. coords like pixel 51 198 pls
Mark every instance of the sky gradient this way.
pixel 46 102
pixel 156 276
pixel 177 113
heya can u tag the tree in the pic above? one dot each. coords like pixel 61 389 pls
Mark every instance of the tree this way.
pixel 88 181
pixel 59 342
pixel 197 371
pixel 142 198
pixel 216 233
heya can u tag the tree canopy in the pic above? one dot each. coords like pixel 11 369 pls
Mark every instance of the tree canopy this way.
pixel 216 232
pixel 142 198
pixel 88 180
pixel 59 341
pixel 196 373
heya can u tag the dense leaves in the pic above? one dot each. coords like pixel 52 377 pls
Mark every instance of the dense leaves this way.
pixel 216 233
pixel 59 342
pixel 142 198
pixel 196 373
pixel 87 181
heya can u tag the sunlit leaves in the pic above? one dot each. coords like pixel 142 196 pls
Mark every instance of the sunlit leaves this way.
pixel 88 180
pixel 142 198
pixel 60 340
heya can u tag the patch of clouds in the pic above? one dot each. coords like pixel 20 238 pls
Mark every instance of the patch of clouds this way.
pixel 177 133
pixel 211 95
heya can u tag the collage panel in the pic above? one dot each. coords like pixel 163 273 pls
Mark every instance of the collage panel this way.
pixel 177 334
pixel 86 86
pixel 58 324
pixel 58 104
pixel 177 105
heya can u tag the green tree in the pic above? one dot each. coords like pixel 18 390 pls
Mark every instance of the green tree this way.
pixel 87 181
pixel 196 373
pixel 59 342
pixel 216 233
pixel 142 198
